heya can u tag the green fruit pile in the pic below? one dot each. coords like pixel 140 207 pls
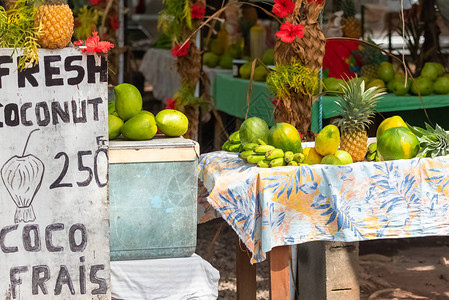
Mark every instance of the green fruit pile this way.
pixel 260 72
pixel 126 117
pixel 281 146
pixel 220 55
pixel 432 80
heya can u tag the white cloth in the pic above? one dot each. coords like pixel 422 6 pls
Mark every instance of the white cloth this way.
pixel 158 67
pixel 185 278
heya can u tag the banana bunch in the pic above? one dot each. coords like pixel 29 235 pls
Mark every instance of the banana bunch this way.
pixel 267 156
pixel 371 153
pixel 233 143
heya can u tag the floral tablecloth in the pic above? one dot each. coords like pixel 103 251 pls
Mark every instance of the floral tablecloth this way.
pixel 292 205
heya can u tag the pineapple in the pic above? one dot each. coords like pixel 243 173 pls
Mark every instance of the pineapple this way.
pixel 351 26
pixel 358 108
pixel 369 71
pixel 432 141
pixel 56 21
pixel 371 58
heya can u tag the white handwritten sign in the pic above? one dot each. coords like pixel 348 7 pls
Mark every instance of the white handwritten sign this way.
pixel 54 234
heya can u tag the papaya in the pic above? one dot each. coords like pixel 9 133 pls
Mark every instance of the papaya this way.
pixel 391 122
pixel 328 140
pixel 286 137
pixel 397 143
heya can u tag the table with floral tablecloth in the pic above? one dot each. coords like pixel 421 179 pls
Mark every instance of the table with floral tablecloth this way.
pixel 292 205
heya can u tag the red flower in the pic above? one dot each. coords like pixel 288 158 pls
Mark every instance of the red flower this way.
pixel 274 101
pixel 95 2
pixel 93 44
pixel 170 103
pixel 289 32
pixel 177 51
pixel 283 8
pixel 197 11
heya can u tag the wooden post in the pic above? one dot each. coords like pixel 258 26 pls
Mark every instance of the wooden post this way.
pixel 246 274
pixel 280 273
pixel 328 270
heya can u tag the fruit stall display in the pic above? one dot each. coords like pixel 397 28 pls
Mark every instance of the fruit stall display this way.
pixel 343 143
pixel 129 120
pixel 376 71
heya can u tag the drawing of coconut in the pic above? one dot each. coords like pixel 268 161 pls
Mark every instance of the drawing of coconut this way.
pixel 22 176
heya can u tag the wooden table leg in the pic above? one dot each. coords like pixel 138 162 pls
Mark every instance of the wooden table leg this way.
pixel 280 273
pixel 246 274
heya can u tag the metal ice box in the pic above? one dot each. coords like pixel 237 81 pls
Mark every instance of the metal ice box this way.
pixel 153 198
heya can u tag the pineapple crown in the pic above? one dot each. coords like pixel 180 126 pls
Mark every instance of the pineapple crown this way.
pixel 357 105
pixel 433 141
pixel 371 55
pixel 348 8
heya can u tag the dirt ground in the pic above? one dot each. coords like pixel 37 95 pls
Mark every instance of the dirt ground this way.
pixel 389 269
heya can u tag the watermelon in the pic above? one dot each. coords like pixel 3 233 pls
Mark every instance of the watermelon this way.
pixel 397 143
pixel 286 137
pixel 253 129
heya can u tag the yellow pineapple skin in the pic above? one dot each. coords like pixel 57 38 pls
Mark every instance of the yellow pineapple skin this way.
pixel 57 26
pixel 351 27
pixel 355 143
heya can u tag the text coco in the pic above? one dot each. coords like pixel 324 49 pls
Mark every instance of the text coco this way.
pixel 32 240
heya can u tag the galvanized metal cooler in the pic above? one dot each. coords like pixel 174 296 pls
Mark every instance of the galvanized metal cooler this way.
pixel 153 198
